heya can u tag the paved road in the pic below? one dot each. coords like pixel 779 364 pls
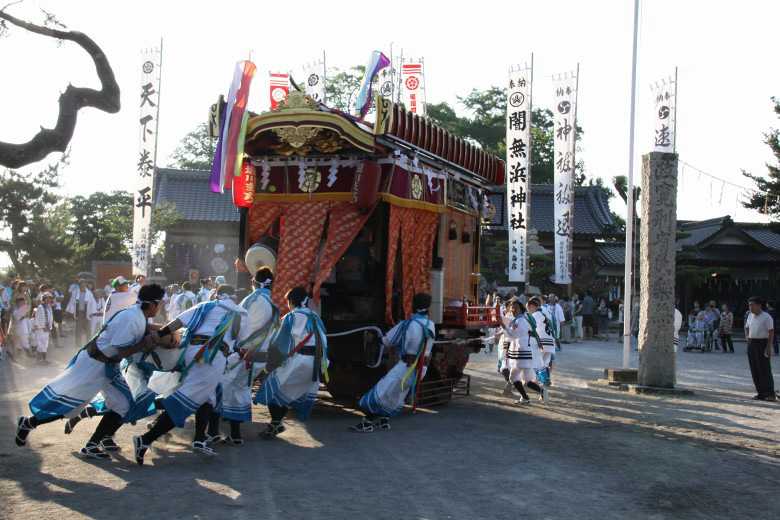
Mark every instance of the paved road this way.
pixel 589 453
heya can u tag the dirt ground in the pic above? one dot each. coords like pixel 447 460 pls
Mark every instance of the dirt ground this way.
pixel 588 453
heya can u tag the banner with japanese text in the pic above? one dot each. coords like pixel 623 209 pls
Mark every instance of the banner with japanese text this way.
pixel 518 193
pixel 413 87
pixel 279 88
pixel 314 80
pixel 564 146
pixel 665 98
pixel 149 100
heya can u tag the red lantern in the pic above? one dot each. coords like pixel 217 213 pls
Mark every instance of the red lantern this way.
pixel 244 186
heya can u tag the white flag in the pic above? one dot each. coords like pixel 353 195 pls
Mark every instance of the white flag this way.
pixel 149 101
pixel 665 98
pixel 564 139
pixel 518 150
pixel 314 80
pixel 413 87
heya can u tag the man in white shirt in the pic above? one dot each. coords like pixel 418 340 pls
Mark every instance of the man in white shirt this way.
pixel 213 327
pixel 95 369
pixel 185 299
pixel 759 331
pixel 205 290
pixel 121 298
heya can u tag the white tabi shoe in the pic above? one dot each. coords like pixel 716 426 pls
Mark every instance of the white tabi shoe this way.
pixel 23 429
pixel 523 401
pixel 384 423
pixel 203 447
pixel 214 439
pixel 108 444
pixel 94 451
pixel 542 395
pixel 364 426
pixel 233 442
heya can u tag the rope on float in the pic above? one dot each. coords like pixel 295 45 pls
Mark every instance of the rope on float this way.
pixel 361 329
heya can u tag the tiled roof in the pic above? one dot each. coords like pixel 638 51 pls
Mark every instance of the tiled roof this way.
pixel 767 237
pixel 610 253
pixel 189 191
pixel 591 210
pixel 693 247
pixel 698 232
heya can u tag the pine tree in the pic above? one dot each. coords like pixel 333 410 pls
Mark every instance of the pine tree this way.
pixel 767 198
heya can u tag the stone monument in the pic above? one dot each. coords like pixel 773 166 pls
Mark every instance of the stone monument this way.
pixel 657 363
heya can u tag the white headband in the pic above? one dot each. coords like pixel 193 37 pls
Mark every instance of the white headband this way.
pixel 421 310
pixel 265 283
pixel 305 302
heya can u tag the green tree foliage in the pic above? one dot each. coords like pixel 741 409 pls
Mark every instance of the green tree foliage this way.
pixel 767 199
pixel 342 86
pixel 55 237
pixel 486 126
pixel 25 203
pixel 195 150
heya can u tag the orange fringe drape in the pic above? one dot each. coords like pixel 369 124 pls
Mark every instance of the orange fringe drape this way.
pixel 345 220
pixel 416 230
pixel 302 226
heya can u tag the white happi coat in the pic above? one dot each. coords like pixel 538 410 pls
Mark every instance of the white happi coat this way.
pixel 388 396
pixel 85 377
pixel 95 314
pixel 199 384
pixel 118 301
pixel 237 382
pixel 295 384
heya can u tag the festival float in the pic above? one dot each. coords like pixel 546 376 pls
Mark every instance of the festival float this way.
pixel 365 215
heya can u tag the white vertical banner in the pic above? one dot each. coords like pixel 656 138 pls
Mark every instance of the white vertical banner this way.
pixel 314 79
pixel 148 124
pixel 564 145
pixel 665 99
pixel 518 172
pixel 413 87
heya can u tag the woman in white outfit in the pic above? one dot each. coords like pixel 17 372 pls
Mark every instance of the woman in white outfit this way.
pixel 523 354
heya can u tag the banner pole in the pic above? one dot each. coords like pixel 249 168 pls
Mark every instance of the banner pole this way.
pixel 674 143
pixel 629 260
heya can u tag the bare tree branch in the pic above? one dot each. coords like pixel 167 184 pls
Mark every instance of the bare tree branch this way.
pixel 71 101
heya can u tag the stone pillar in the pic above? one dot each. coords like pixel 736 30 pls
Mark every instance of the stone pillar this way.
pixel 657 363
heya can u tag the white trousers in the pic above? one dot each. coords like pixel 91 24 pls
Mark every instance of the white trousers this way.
pixel 42 340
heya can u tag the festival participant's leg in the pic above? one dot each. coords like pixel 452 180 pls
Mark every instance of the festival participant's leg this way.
pixel 277 415
pixel 43 346
pixel 63 396
pixel 517 382
pixel 118 401
pixel 87 412
pixel 202 418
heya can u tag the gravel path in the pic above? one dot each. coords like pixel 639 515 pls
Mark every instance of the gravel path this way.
pixel 588 453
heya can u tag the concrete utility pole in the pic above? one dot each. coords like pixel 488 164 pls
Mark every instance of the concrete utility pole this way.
pixel 657 363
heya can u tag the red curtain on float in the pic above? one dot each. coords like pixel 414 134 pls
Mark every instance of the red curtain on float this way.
pixel 260 218
pixel 299 243
pixel 345 220
pixel 416 229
